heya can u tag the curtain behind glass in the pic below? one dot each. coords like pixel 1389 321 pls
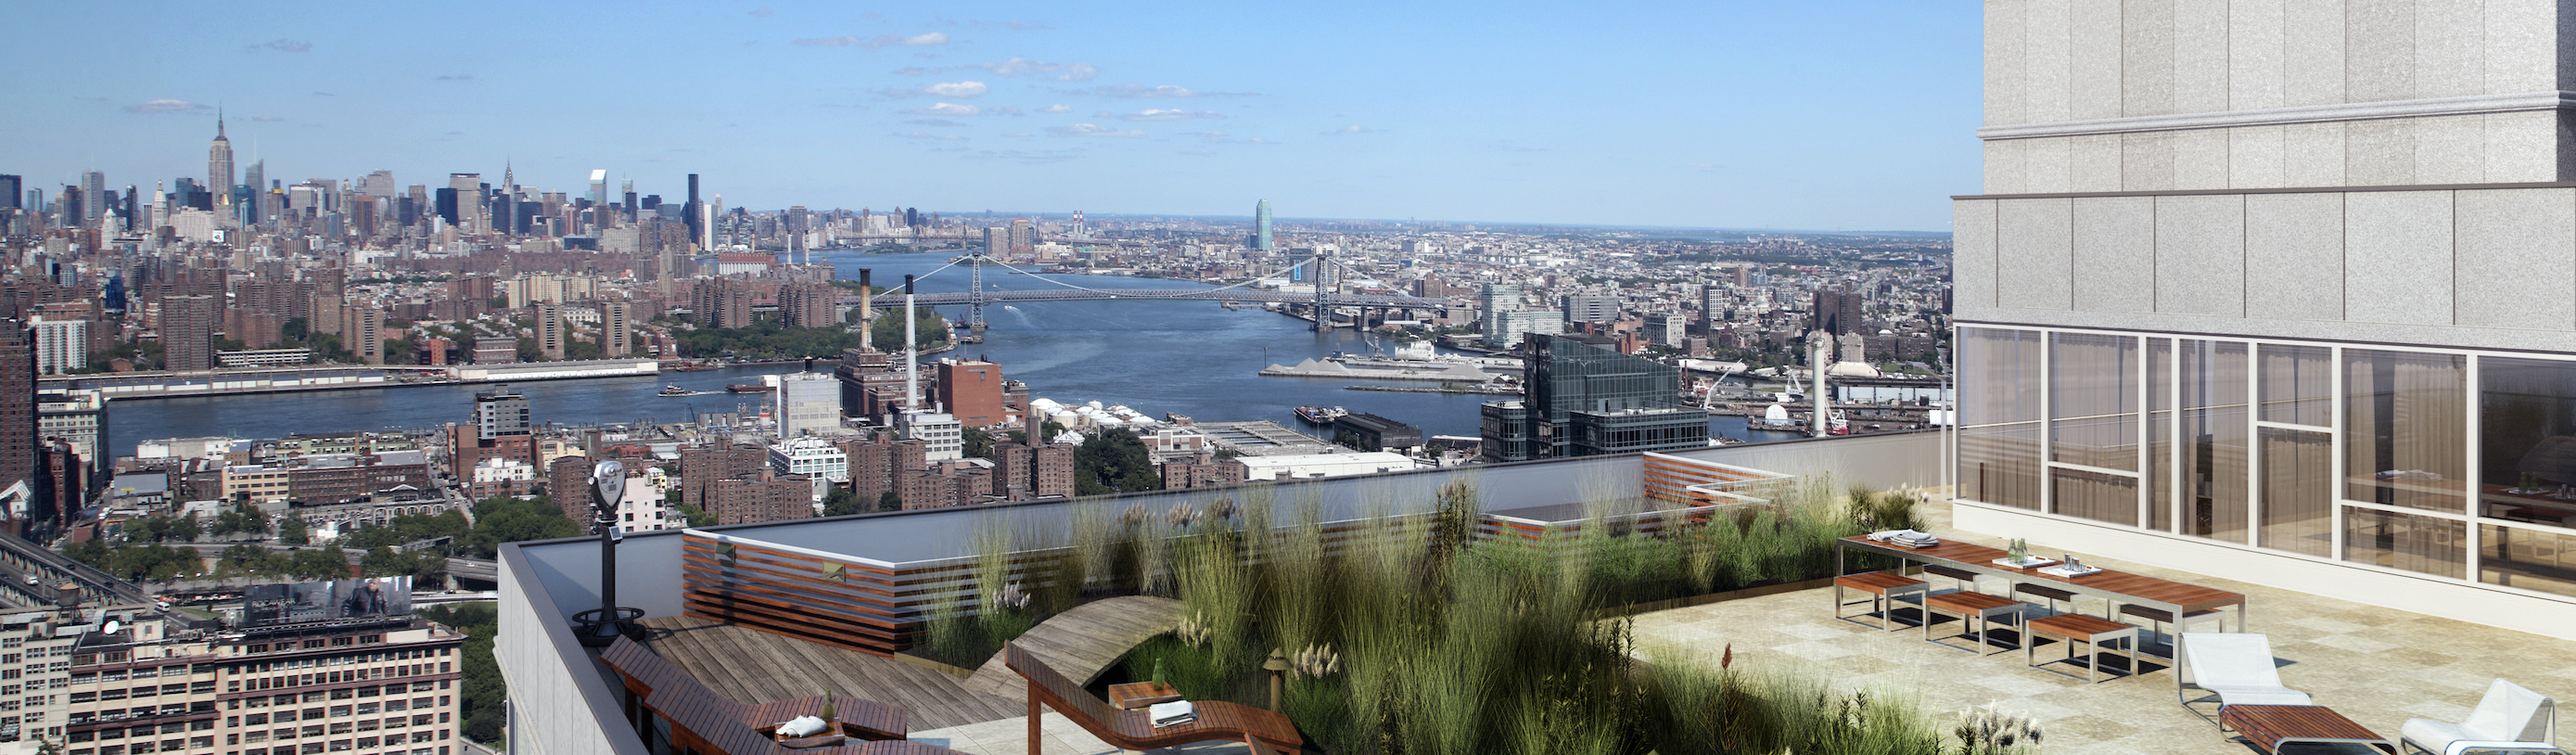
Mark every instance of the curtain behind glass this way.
pixel 2406 429
pixel 2298 387
pixel 2215 425
pixel 1998 376
pixel 2093 400
pixel 2298 497
pixel 2096 496
pixel 2420 544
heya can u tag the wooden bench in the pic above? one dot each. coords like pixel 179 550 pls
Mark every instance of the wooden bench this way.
pixel 703 721
pixel 1882 588
pixel 1218 721
pixel 2074 628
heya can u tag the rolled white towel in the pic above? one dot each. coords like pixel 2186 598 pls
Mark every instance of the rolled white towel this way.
pixel 802 726
pixel 1164 714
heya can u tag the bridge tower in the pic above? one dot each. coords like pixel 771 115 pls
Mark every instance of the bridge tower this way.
pixel 1319 270
pixel 975 301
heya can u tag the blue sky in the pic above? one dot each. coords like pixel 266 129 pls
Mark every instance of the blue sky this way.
pixel 1830 116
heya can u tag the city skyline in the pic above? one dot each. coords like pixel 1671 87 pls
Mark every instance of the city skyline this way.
pixel 1356 113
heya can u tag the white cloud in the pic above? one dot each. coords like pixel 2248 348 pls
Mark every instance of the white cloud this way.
pixel 1057 71
pixel 956 89
pixel 1162 115
pixel 285 45
pixel 267 119
pixel 165 106
pixel 1088 129
pixel 928 135
pixel 1056 109
pixel 932 39
pixel 946 108
pixel 1350 130
pixel 1135 91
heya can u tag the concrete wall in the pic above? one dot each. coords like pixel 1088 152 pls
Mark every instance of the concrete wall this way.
pixel 559 703
pixel 2160 95
pixel 2479 268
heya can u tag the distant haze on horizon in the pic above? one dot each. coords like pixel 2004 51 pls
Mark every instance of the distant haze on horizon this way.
pixel 1844 116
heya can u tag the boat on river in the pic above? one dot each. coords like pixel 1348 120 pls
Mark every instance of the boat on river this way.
pixel 750 387
pixel 1316 415
pixel 673 390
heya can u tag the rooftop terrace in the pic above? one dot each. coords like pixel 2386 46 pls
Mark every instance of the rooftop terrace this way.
pixel 2378 666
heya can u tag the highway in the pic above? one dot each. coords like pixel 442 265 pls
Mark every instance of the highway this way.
pixel 460 568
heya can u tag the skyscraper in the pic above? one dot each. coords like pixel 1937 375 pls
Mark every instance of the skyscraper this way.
pixel 469 201
pixel 17 407
pixel 10 186
pixel 188 332
pixel 1261 239
pixel 219 163
pixel 689 213
pixel 94 195
pixel 616 334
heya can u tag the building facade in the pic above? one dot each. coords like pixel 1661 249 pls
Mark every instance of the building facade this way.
pixel 2279 296
pixel 1584 398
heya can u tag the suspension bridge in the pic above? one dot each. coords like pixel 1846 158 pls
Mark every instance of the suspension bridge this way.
pixel 1327 275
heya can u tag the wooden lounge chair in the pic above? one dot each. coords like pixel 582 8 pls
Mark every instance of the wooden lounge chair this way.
pixel 1218 721
pixel 705 722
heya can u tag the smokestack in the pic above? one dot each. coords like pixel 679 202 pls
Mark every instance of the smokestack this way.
pixel 1816 351
pixel 867 314
pixel 911 352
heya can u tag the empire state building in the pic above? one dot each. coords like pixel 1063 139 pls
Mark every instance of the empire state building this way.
pixel 219 165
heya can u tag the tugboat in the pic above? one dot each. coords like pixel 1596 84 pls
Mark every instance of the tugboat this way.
pixel 673 390
pixel 749 387
pixel 1316 415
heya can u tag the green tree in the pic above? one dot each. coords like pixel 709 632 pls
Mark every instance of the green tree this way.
pixel 1114 461
pixel 695 516
pixel 930 329
pixel 979 444
pixel 482 692
pixel 510 520
pixel 889 501
pixel 840 502
pixel 291 531
pixel 242 518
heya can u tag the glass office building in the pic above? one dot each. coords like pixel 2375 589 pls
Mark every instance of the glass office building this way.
pixel 1584 398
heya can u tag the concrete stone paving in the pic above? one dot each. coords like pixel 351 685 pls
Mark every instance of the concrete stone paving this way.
pixel 2377 666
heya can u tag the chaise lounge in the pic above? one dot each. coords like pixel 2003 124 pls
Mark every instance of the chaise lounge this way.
pixel 2238 668
pixel 1218 721
pixel 2509 719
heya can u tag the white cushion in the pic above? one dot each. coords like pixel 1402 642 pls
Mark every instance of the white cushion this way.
pixel 2259 696
pixel 802 726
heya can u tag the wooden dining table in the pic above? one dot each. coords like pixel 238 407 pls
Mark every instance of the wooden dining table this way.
pixel 2118 587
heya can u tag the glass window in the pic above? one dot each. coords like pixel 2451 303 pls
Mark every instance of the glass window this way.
pixel 2297 388
pixel 1998 375
pixel 2093 400
pixel 2000 465
pixel 2406 429
pixel 2298 496
pixel 2406 541
pixel 2527 440
pixel 2159 481
pixel 2096 496
pixel 2214 443
pixel 2528 559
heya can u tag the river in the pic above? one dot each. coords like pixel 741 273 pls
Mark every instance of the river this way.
pixel 1189 357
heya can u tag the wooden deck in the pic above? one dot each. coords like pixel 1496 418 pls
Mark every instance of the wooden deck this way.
pixel 751 666
pixel 1081 643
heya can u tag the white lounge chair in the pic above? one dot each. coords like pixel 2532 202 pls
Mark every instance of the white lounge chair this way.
pixel 2508 719
pixel 2237 668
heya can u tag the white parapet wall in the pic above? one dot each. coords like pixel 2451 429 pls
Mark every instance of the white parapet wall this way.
pixel 2432 596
